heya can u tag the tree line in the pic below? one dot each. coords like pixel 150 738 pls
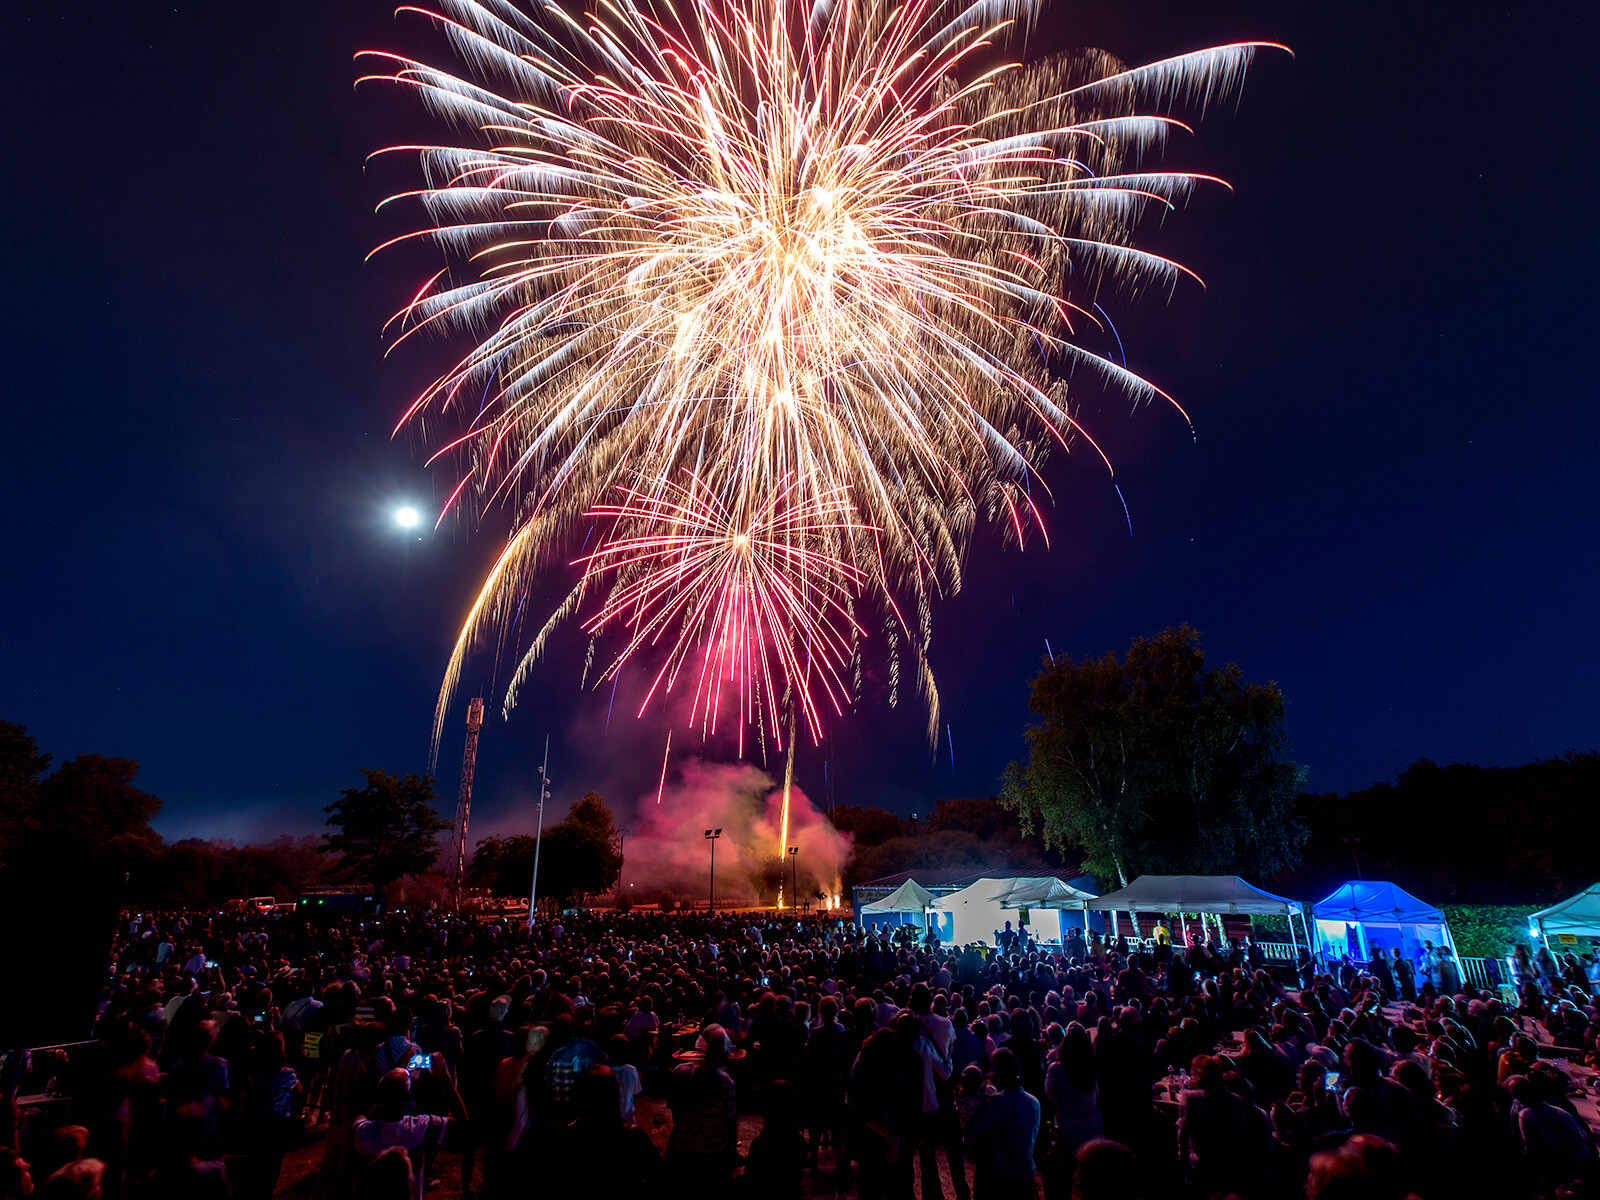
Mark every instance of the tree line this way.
pixel 1160 762
pixel 87 825
pixel 1155 761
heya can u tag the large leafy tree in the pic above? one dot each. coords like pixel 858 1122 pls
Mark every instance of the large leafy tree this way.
pixel 21 764
pixel 387 829
pixel 1158 762
pixel 70 840
pixel 580 856
pixel 503 865
pixel 86 815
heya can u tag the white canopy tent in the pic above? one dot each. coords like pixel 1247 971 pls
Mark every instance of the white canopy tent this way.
pixel 1200 894
pixel 909 897
pixel 1366 914
pixel 1044 892
pixel 975 912
pixel 1579 916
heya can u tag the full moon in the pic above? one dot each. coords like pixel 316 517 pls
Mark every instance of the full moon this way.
pixel 406 517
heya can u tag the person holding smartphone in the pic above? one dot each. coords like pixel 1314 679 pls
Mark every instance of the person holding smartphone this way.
pixel 392 1124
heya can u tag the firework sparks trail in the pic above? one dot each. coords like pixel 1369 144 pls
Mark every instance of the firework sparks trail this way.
pixel 751 597
pixel 829 253
pixel 666 756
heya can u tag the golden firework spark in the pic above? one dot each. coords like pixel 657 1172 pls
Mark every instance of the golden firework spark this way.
pixel 727 251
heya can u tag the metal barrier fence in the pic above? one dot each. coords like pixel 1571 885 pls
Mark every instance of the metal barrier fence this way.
pixel 1279 951
pixel 1476 973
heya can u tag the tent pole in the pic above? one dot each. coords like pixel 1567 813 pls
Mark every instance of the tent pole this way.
pixel 1461 971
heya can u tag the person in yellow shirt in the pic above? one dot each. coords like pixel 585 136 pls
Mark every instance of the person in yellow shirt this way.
pixel 1162 934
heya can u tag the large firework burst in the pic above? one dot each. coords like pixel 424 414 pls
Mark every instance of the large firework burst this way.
pixel 800 285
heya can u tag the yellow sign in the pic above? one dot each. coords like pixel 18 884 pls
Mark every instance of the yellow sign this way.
pixel 312 1047
pixel 1567 939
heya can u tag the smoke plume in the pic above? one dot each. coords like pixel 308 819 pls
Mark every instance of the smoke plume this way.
pixel 669 852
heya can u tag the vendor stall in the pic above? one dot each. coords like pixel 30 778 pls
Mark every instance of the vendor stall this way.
pixel 1199 894
pixel 976 912
pixel 1576 917
pixel 1365 916
pixel 906 905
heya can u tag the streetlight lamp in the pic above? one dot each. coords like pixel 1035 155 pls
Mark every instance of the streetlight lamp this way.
pixel 794 879
pixel 711 901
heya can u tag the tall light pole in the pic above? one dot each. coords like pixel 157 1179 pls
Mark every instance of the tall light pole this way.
pixel 538 837
pixel 794 879
pixel 711 899
pixel 922 828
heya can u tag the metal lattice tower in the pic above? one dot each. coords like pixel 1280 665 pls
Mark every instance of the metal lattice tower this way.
pixel 469 759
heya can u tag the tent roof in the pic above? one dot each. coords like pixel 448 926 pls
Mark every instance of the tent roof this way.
pixel 1374 900
pixel 1043 892
pixel 1194 893
pixel 984 891
pixel 910 897
pixel 1028 891
pixel 941 880
pixel 1579 914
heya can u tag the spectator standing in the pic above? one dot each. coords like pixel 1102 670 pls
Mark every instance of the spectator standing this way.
pixel 705 1121
pixel 390 1124
pixel 1003 1134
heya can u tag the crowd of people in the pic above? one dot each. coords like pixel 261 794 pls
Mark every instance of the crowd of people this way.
pixel 423 1048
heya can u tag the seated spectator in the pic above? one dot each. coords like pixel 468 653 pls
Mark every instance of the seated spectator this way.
pixel 1363 1168
pixel 1557 1147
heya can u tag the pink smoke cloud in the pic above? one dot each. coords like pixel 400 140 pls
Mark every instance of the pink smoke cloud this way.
pixel 669 851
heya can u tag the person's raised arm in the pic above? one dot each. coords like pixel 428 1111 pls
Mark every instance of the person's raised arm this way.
pixel 447 1085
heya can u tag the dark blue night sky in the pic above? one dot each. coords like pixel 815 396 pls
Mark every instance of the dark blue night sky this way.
pixel 1389 504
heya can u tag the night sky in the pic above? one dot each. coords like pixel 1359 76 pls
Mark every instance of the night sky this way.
pixel 1388 505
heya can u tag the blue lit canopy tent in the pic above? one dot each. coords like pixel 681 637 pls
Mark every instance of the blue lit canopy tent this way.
pixel 1217 894
pixel 1366 915
pixel 975 912
pixel 906 905
pixel 1577 917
